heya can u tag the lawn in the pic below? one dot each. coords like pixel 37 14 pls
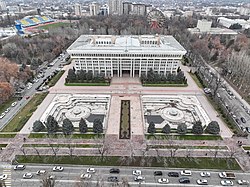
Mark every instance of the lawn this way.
pixel 54 80
pixel 186 147
pixel 6 104
pixel 3 145
pixel 174 162
pixel 74 136
pixel 88 84
pixel 17 123
pixel 6 135
pixel 124 132
pixel 165 85
pixel 196 80
pixel 247 148
pixel 183 137
pixel 54 25
pixel 63 145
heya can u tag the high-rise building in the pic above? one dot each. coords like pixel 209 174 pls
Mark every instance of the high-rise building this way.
pixel 139 9
pixel 2 5
pixel 134 55
pixel 104 10
pixel 127 8
pixel 94 9
pixel 78 10
pixel 115 7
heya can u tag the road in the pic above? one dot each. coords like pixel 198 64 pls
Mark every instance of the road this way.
pixel 71 175
pixel 28 92
pixel 232 103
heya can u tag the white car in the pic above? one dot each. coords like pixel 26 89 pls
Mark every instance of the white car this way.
pixel 163 181
pixel 13 104
pixel 7 110
pixel 19 167
pixel 202 182
pixel 27 175
pixel 2 115
pixel 58 168
pixel 91 170
pixel 136 172
pixel 51 177
pixel 226 183
pixel 243 182
pixel 205 174
pixel 186 173
pixel 3 177
pixel 139 178
pixel 86 176
pixel 40 172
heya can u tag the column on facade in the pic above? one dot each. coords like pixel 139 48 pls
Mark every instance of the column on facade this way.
pixel 147 67
pixel 99 67
pixel 159 69
pixel 92 61
pixel 133 62
pixel 120 66
pixel 86 64
pixel 140 69
pixel 165 71
pixel 105 66
pixel 131 68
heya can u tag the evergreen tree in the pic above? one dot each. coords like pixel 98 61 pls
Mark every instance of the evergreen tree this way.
pixel 213 127
pixel 97 126
pixel 67 127
pixel 38 126
pixel 83 128
pixel 197 128
pixel 166 129
pixel 151 128
pixel 182 128
pixel 51 125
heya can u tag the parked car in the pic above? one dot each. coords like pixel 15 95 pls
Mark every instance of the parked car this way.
pixel 136 172
pixel 248 129
pixel 86 176
pixel 2 115
pixel 14 104
pixel 237 120
pixel 139 178
pixel 243 120
pixel 3 177
pixel 40 172
pixel 186 173
pixel 202 181
pixel 51 177
pixel 7 110
pixel 157 173
pixel 91 170
pixel 27 175
pixel 113 179
pixel 19 167
pixel 163 181
pixel 205 174
pixel 58 168
pixel 226 183
pixel 114 170
pixel 173 174
pixel 243 182
pixel 184 180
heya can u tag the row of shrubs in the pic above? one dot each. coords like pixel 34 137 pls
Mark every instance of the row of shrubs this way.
pixel 212 128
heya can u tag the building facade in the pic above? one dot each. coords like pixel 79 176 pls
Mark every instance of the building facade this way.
pixel 3 5
pixel 78 9
pixel 94 9
pixel 115 7
pixel 119 55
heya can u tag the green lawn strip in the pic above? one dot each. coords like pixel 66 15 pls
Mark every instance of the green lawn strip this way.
pixel 17 123
pixel 6 104
pixel 186 147
pixel 74 136
pixel 54 80
pixel 88 84
pixel 183 137
pixel 63 145
pixel 3 145
pixel 196 80
pixel 53 25
pixel 175 162
pixel 165 85
pixel 246 147
pixel 5 135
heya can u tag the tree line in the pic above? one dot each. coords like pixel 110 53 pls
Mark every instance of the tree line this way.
pixel 82 76
pixel 153 77
pixel 52 127
pixel 212 128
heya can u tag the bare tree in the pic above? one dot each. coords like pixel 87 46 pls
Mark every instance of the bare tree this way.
pixel 23 151
pixel 48 181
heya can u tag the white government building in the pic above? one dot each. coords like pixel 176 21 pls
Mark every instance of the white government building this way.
pixel 114 55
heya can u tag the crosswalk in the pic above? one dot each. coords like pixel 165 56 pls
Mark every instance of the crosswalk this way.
pixel 7 171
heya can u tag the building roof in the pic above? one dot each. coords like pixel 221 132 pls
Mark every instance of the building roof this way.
pixel 127 43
